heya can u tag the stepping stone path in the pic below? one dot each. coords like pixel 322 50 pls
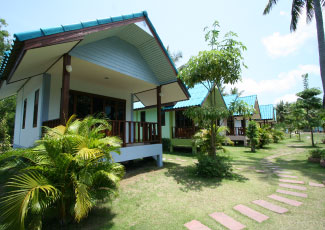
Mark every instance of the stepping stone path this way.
pixel 284 172
pixel 270 206
pixel 257 216
pixel 227 221
pixel 292 193
pixel 291 181
pixel 287 176
pixel 293 187
pixel 316 185
pixel 260 171
pixel 196 225
pixel 285 200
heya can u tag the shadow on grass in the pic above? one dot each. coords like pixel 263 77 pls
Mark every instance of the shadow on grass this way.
pixel 302 146
pixel 188 179
pixel 98 218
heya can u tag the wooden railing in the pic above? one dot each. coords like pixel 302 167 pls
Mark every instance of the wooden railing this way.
pixel 131 132
pixel 184 132
pixel 237 131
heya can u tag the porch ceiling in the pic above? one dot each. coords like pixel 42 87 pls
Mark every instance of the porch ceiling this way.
pixel 39 60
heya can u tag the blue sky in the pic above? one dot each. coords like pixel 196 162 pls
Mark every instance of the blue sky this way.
pixel 275 57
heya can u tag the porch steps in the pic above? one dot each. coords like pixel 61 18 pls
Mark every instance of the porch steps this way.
pixel 291 181
pixel 196 225
pixel 270 206
pixel 304 195
pixel 227 221
pixel 293 187
pixel 257 216
pixel 285 200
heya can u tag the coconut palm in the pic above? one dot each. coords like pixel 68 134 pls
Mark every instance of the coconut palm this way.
pixel 68 171
pixel 176 57
pixel 312 7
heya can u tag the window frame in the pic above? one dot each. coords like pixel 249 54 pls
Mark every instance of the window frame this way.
pixel 24 114
pixel 35 111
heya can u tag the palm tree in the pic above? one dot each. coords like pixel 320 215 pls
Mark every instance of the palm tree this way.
pixel 313 7
pixel 67 172
pixel 175 56
pixel 236 91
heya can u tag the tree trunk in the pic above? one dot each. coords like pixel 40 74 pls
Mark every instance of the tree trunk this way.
pixel 321 42
pixel 312 137
pixel 213 137
pixel 299 136
pixel 252 146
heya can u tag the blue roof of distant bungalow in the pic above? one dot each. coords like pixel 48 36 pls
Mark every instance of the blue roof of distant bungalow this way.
pixel 250 100
pixel 267 112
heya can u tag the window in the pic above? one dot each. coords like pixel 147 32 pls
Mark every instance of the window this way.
pixel 143 116
pixel 181 120
pixel 163 118
pixel 24 113
pixel 36 99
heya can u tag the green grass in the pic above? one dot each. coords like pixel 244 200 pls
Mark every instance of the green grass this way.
pixel 166 198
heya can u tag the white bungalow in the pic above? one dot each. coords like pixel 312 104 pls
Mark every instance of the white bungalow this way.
pixel 87 68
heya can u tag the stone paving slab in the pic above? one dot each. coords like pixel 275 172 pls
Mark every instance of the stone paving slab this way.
pixel 287 176
pixel 292 193
pixel 284 172
pixel 227 221
pixel 285 200
pixel 270 206
pixel 260 171
pixel 316 185
pixel 292 181
pixel 196 225
pixel 293 187
pixel 251 213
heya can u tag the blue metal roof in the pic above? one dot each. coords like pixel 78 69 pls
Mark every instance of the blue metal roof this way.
pixel 198 94
pixel 250 100
pixel 229 99
pixel 267 112
pixel 42 32
pixel 138 105
pixel 64 28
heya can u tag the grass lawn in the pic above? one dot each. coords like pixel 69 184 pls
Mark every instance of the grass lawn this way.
pixel 167 198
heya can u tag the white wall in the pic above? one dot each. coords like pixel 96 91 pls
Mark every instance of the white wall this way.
pixel 27 136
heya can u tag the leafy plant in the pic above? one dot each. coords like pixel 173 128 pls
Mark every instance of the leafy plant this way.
pixel 265 137
pixel 317 153
pixel 166 144
pixel 277 135
pixel 213 166
pixel 69 170
pixel 5 144
pixel 220 65
pixel 252 133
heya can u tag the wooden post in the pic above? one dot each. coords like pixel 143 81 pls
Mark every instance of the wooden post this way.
pixel 159 112
pixel 65 90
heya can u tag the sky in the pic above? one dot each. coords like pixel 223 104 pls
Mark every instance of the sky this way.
pixel 275 58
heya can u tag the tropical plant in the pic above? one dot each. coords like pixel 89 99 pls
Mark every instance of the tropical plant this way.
pixel 312 7
pixel 7 112
pixel 309 101
pixel 277 135
pixel 218 66
pixel 265 137
pixel 68 171
pixel 4 136
pixel 4 38
pixel 253 134
pixel 236 91
pixel 175 56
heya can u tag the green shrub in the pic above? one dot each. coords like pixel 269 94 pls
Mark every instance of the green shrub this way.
pixel 166 144
pixel 317 153
pixel 213 166
pixel 264 137
pixel 253 134
pixel 277 135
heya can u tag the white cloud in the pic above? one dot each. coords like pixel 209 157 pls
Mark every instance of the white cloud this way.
pixel 282 83
pixel 286 98
pixel 280 45
pixel 283 13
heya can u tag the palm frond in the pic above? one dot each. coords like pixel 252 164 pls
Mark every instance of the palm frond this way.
pixel 83 202
pixel 87 154
pixel 297 6
pixel 269 6
pixel 31 192
pixel 309 10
